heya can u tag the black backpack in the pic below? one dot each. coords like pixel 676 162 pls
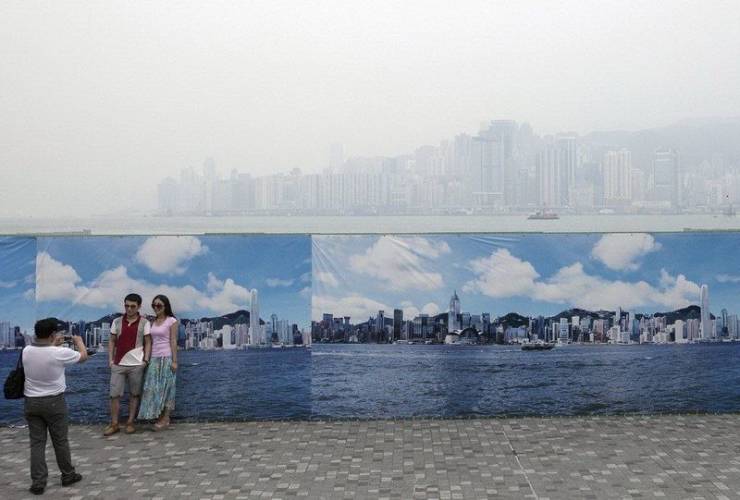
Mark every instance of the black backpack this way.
pixel 15 381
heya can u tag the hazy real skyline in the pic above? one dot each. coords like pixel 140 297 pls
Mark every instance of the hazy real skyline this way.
pixel 99 101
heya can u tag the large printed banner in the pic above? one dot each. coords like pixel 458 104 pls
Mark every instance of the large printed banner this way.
pixel 330 326
pixel 17 282
pixel 229 293
pixel 526 324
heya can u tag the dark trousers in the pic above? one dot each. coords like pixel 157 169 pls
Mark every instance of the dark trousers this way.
pixel 48 413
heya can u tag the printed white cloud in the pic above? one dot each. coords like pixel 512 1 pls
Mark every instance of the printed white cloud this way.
pixel 410 311
pixel 276 282
pixel 355 306
pixel 168 254
pixel 305 277
pixel 8 284
pixel 427 248
pixel 399 263
pixel 431 309
pixel 55 280
pixel 229 297
pixel 571 285
pixel 326 278
pixel 213 284
pixel 621 252
pixel 728 278
pixel 30 294
pixel 60 282
pixel 501 275
pixel 305 292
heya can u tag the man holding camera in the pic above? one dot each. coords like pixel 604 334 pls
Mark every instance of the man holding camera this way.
pixel 45 409
pixel 129 350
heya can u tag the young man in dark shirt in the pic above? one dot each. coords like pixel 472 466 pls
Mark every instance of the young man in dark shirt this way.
pixel 129 350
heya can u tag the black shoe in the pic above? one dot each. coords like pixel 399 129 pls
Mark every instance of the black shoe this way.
pixel 37 490
pixel 70 480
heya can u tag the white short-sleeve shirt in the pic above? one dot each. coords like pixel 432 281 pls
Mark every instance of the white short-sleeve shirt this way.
pixel 44 367
pixel 135 356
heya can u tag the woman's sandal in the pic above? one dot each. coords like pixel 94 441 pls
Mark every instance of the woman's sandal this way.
pixel 159 426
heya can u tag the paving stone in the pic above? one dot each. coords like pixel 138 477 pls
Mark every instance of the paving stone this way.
pixel 679 456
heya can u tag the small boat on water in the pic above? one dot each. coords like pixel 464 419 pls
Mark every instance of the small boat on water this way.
pixel 543 214
pixel 537 346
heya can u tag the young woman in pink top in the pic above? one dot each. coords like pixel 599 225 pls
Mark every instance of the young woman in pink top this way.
pixel 158 398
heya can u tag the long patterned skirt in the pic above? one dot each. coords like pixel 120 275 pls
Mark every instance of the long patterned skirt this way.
pixel 159 389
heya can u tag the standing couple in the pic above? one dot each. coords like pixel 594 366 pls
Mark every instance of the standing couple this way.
pixel 144 355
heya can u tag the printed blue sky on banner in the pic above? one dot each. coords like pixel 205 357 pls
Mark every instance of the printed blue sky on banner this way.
pixel 204 276
pixel 17 282
pixel 529 274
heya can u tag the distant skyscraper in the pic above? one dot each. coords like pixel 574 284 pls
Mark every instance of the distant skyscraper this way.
pixel 567 151
pixel 453 313
pixel 505 132
pixel 706 325
pixel 5 334
pixel 488 170
pixel 548 177
pixel 665 177
pixel 617 168
pixel 563 331
pixel 380 323
pixel 274 329
pixel 397 322
pixel 255 332
pixel 679 329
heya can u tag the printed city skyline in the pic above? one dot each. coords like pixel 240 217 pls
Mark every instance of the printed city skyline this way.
pixel 204 276
pixel 529 274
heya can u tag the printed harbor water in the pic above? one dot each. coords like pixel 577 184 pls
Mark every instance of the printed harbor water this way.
pixel 387 381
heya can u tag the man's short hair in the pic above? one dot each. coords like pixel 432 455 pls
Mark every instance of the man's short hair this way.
pixel 45 328
pixel 133 297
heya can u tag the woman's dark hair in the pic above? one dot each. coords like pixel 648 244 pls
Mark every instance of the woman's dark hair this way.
pixel 166 302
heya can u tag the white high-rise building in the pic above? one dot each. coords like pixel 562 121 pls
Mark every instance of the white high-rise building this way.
pixel 453 313
pixel 618 177
pixel 227 342
pixel 732 326
pixel 105 333
pixel 563 331
pixel 679 330
pixel 692 329
pixel 706 325
pixel 255 330
pixel 6 334
pixel 549 184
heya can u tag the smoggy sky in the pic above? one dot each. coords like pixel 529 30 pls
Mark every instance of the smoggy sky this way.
pixel 101 100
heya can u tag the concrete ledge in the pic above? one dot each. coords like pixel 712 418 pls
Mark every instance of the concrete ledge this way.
pixel 669 456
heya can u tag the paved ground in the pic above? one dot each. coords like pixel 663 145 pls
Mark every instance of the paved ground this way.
pixel 592 457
